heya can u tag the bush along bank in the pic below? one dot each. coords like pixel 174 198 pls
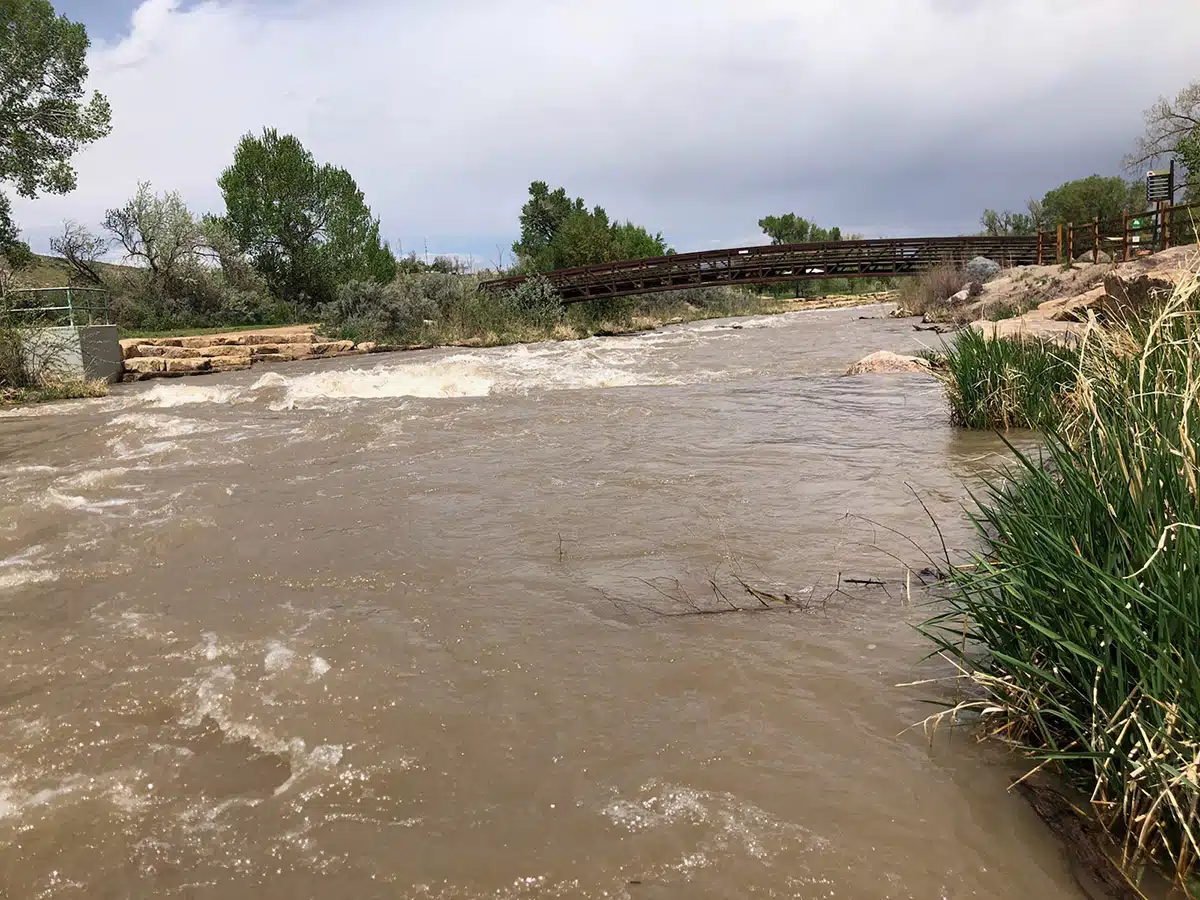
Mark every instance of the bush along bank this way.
pixel 433 309
pixel 1079 622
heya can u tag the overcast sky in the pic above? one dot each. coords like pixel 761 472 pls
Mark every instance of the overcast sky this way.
pixel 693 117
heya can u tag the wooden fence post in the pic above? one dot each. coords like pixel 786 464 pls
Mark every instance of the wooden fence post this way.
pixel 1167 222
pixel 1060 243
pixel 1070 243
pixel 1125 236
pixel 1041 243
pixel 1096 235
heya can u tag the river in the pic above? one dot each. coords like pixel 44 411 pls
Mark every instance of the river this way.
pixel 417 627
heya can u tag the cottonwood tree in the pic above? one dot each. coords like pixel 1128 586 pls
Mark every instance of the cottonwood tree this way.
pixel 1007 223
pixel 305 227
pixel 82 250
pixel 44 118
pixel 558 232
pixel 1173 131
pixel 158 233
pixel 1085 199
pixel 793 229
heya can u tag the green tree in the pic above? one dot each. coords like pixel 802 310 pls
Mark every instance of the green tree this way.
pixel 558 232
pixel 793 229
pixel 1002 224
pixel 14 252
pixel 790 228
pixel 1084 199
pixel 43 117
pixel 306 227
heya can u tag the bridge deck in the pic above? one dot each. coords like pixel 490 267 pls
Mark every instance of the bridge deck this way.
pixel 882 258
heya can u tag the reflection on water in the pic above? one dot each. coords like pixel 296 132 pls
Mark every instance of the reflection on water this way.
pixel 396 631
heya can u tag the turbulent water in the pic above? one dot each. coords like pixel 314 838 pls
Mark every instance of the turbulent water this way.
pixel 425 627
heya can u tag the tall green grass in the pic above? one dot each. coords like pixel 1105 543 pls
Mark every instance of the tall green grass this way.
pixel 1006 383
pixel 1080 620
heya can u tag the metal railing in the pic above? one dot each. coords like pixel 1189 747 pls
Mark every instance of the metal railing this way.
pixel 78 306
pixel 877 258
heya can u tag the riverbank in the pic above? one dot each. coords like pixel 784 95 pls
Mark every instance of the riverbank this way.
pixel 214 351
pixel 51 391
pixel 1078 622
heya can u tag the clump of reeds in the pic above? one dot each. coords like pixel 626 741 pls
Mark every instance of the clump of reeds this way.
pixel 1006 382
pixel 928 293
pixel 1080 621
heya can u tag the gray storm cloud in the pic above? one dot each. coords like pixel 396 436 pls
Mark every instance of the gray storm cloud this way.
pixel 696 117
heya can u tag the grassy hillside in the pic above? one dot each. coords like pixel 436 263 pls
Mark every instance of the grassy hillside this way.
pixel 51 271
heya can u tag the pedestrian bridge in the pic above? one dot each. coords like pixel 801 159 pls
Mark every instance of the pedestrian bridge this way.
pixel 881 258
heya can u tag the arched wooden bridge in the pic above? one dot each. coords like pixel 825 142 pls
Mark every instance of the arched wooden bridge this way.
pixel 883 258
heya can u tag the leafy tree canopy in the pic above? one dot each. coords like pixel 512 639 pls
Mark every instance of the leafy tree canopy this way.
pixel 306 227
pixel 558 233
pixel 1085 199
pixel 1002 224
pixel 43 117
pixel 793 229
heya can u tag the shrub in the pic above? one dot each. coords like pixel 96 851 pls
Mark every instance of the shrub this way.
pixel 928 292
pixel 537 301
pixel 1006 382
pixel 1080 620
pixel 394 312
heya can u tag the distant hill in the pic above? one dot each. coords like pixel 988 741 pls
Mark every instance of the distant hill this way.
pixel 52 271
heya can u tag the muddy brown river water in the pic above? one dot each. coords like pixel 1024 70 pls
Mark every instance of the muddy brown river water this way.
pixel 408 628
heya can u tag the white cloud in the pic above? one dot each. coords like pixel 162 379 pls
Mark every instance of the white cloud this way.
pixel 693 116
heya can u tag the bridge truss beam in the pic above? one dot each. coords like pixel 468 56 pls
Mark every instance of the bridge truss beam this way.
pixel 883 258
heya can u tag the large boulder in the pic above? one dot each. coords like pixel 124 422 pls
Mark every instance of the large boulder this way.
pixel 1092 257
pixel 200 341
pixel 1070 309
pixel 145 365
pixel 188 366
pixel 326 347
pixel 1127 291
pixel 229 363
pixel 887 363
pixel 164 352
pixel 224 351
pixel 981 269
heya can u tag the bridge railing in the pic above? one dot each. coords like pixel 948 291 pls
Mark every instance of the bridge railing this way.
pixel 876 258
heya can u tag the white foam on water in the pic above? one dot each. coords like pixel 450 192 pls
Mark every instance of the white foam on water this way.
pixel 11 580
pixel 452 377
pixel 213 690
pixel 728 825
pixel 168 396
pixel 22 569
pixel 279 657
pixel 81 504
pixel 158 424
pixel 94 478
pixel 318 667
pixel 14 801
